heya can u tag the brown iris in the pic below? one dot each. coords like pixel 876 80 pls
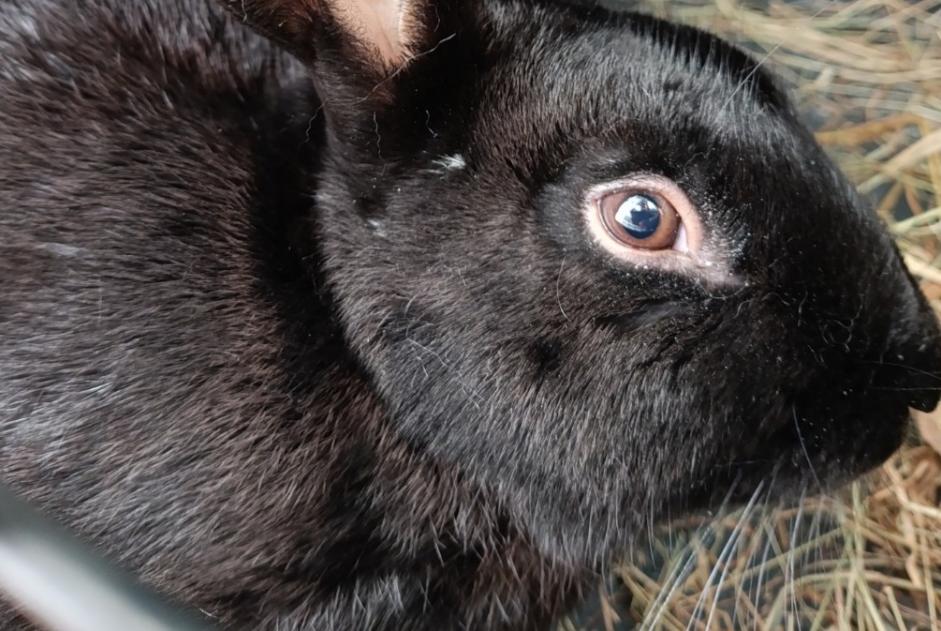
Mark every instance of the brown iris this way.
pixel 640 219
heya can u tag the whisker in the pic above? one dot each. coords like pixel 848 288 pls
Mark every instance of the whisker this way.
pixel 791 556
pixel 721 566
pixel 887 389
pixel 677 576
pixel 731 545
pixel 800 438
pixel 682 569
pixel 761 62
pixel 914 369
pixel 761 569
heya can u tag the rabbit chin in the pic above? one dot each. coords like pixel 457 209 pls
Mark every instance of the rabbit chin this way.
pixel 804 453
pixel 801 460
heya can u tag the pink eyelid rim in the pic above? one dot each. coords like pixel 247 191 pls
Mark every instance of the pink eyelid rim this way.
pixel 690 252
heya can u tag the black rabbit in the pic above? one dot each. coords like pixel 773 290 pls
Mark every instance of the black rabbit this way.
pixel 412 315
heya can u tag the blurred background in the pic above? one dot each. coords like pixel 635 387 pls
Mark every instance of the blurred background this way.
pixel 867 77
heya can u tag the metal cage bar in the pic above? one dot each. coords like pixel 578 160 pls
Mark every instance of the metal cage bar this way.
pixel 60 585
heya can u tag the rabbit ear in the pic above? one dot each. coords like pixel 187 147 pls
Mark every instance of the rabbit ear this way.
pixel 381 25
pixel 379 33
pixel 370 63
pixel 353 48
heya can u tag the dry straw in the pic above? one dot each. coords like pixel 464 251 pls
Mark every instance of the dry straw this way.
pixel 867 75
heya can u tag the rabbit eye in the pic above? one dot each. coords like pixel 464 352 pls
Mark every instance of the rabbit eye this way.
pixel 642 220
pixel 648 221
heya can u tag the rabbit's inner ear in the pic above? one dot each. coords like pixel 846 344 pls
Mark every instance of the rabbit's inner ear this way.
pixel 378 24
pixel 309 28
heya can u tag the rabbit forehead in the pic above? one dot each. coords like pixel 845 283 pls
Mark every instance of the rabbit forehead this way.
pixel 666 98
pixel 560 50
pixel 611 80
pixel 611 101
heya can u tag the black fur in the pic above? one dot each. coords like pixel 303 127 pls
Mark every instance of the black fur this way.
pixel 347 358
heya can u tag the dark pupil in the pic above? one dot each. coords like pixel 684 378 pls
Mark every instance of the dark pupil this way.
pixel 639 215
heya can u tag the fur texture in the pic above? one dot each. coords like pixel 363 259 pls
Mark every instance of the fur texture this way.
pixel 312 343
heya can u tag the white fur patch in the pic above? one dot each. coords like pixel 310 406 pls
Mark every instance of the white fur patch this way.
pixel 452 163
pixel 26 24
pixel 377 227
pixel 60 249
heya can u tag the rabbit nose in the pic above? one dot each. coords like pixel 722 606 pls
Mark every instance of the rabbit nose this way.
pixel 918 379
pixel 912 366
pixel 925 403
pixel 919 376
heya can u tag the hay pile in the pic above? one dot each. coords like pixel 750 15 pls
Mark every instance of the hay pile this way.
pixel 868 77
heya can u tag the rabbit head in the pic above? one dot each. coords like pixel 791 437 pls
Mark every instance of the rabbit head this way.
pixel 594 261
